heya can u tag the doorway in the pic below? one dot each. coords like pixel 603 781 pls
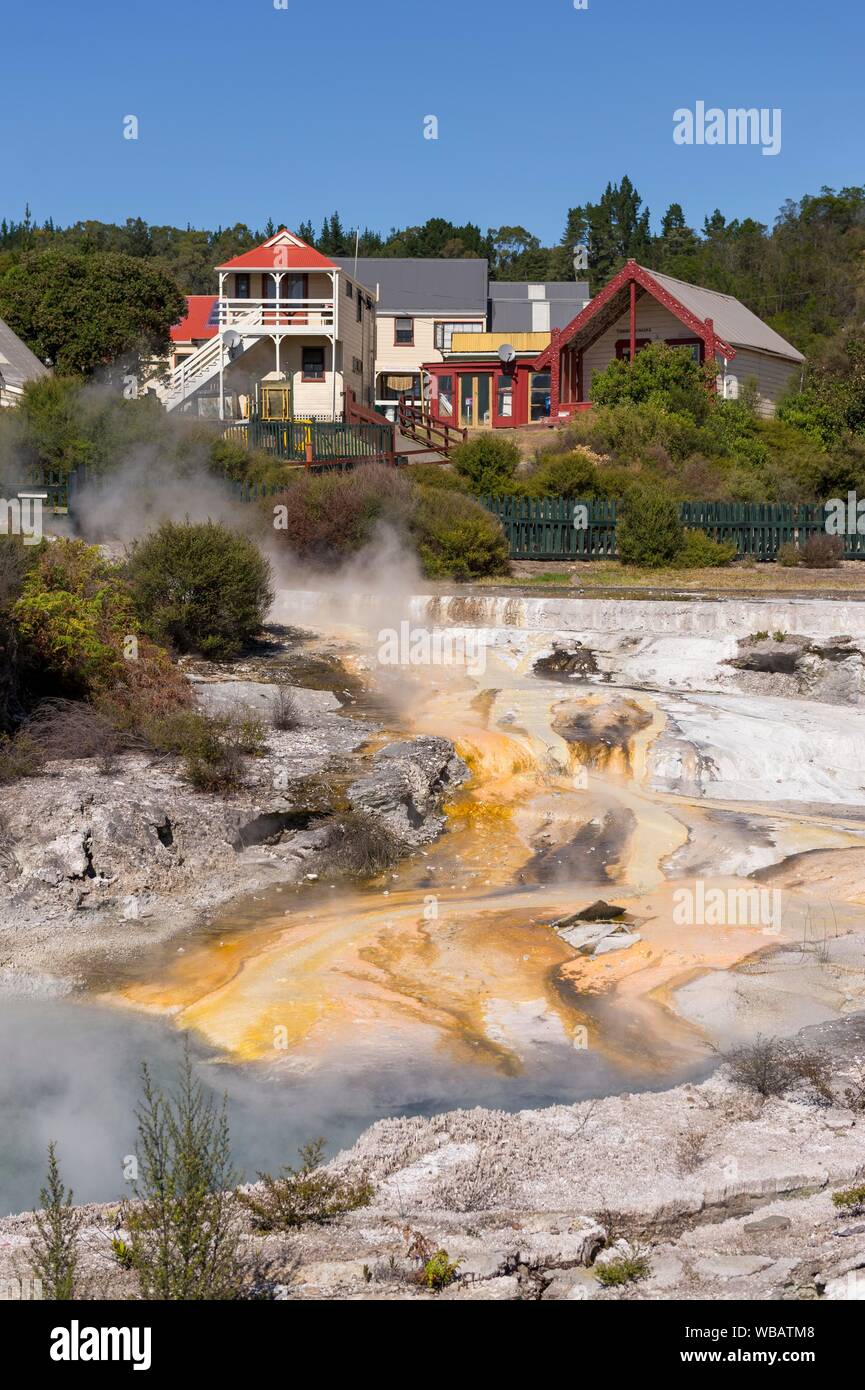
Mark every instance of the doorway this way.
pixel 476 399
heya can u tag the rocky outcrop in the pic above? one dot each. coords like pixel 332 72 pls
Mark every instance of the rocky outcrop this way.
pixel 407 785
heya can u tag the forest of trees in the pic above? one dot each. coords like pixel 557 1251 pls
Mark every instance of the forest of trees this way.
pixel 804 275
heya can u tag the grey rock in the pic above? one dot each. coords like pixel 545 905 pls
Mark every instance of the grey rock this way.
pixel 768 1225
pixel 407 784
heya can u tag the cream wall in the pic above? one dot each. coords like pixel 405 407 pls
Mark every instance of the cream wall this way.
pixel 773 375
pixel 390 357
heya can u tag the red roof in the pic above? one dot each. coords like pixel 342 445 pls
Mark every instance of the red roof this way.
pixel 199 320
pixel 282 251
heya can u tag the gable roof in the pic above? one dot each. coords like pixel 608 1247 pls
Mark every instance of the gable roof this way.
pixel 283 251
pixel 732 325
pixel 199 321
pixel 441 285
pixel 18 364
pixel 512 307
pixel 732 320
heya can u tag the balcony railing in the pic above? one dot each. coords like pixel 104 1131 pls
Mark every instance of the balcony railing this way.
pixel 282 315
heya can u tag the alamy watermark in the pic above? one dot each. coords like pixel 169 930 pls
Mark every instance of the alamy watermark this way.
pixel 22 516
pixel 727 907
pixel 845 517
pixel 421 646
pixel 738 125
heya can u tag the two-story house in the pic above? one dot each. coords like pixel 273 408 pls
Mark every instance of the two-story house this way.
pixel 286 317
pixel 421 303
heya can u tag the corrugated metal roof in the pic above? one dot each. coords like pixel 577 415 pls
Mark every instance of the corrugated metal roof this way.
pixel 733 322
pixel 574 290
pixel 199 321
pixel 283 251
pixel 420 285
pixel 18 364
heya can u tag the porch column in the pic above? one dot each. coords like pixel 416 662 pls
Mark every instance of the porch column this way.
pixel 334 326
pixel 555 375
pixel 633 319
pixel 221 317
pixel 710 349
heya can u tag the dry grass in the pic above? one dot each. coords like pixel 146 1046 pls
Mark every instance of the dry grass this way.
pixel 740 578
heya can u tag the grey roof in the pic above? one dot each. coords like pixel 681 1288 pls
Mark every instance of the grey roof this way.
pixel 419 285
pixel 733 322
pixel 573 290
pixel 511 307
pixel 18 364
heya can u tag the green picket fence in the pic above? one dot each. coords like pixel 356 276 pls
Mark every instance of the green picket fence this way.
pixel 543 528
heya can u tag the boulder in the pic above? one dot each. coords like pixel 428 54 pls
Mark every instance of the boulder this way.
pixel 408 781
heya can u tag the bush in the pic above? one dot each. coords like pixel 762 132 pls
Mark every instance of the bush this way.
pixel 699 551
pixel 439 1271
pixel 325 517
pixel 183 1244
pixel 822 552
pixel 788 555
pixel 73 616
pixel 200 587
pixel 851 1201
pixel 648 530
pixel 563 475
pixel 285 711
pixel 457 538
pixel 19 757
pixel 361 845
pixel 54 1248
pixel 659 375
pixel 305 1195
pixel 62 729
pixel 434 475
pixel 487 463
pixel 624 1269
pixel 214 747
pixel 770 1067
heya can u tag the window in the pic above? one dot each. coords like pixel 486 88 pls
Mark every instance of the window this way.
pixel 505 392
pixel 697 348
pixel 539 396
pixel 623 347
pixel 349 289
pixel 444 332
pixel 445 396
pixel 359 307
pixel 357 366
pixel 403 332
pixel 241 286
pixel 313 364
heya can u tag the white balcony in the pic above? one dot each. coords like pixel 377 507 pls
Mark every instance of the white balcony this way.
pixel 282 316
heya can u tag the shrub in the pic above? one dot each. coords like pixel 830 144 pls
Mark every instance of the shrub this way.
pixel 362 845
pixel 54 1248
pixel 213 747
pixel 200 587
pixel 563 475
pixel 659 375
pixel 770 1067
pixel 75 729
pixel 439 1271
pixel 487 463
pixel 648 530
pixel 788 555
pixel 73 615
pixel 457 538
pixel 851 1201
pixel 19 757
pixel 434 475
pixel 183 1244
pixel 304 1195
pixel 327 516
pixel 822 552
pixel 285 711
pixel 699 551
pixel 624 1269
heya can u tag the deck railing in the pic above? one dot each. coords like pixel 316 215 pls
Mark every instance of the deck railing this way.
pixel 327 440
pixel 416 423
pixel 284 315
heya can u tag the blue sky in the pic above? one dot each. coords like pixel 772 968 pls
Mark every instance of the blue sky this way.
pixel 248 112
